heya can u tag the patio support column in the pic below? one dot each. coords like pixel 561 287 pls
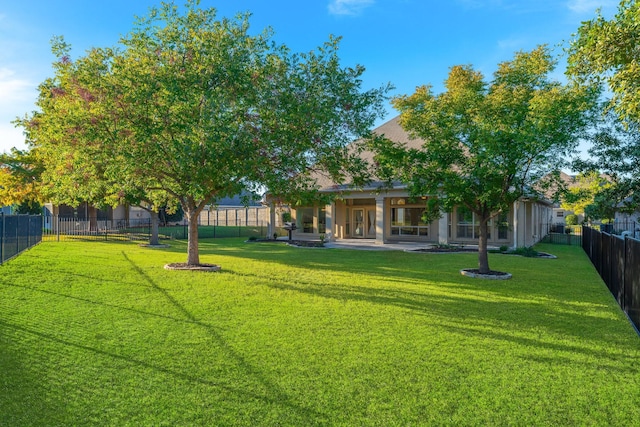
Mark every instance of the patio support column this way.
pixel 443 229
pixel 329 235
pixel 380 220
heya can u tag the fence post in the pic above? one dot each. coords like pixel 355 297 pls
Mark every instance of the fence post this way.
pixel 1 237
pixel 17 240
pixel 58 228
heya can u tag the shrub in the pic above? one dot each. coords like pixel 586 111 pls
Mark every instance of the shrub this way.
pixel 504 248
pixel 571 219
pixel 526 251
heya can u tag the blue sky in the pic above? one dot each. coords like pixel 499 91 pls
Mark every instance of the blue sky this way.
pixel 405 42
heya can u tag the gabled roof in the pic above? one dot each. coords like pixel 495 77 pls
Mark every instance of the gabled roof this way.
pixel 391 130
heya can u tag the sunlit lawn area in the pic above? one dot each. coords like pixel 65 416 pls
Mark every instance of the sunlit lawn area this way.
pixel 98 333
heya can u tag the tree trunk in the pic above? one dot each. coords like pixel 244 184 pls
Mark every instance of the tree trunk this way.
pixel 92 214
pixel 153 237
pixel 193 255
pixel 483 255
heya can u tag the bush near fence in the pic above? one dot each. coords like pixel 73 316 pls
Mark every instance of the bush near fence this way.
pixel 18 233
pixel 617 260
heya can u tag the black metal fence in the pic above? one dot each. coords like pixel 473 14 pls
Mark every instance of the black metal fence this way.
pixel 617 260
pixel 60 228
pixel 18 233
pixel 563 235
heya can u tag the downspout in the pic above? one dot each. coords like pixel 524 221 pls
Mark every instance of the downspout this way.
pixel 515 225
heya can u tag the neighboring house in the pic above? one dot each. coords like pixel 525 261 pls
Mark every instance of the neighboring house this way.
pixel 390 215
pixel 6 210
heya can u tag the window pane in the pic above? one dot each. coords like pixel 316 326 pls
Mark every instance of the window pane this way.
pixel 322 220
pixel 305 220
pixel 503 226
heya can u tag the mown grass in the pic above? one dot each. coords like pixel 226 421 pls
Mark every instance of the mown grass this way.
pixel 98 333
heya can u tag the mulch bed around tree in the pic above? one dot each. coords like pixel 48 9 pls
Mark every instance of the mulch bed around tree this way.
pixel 492 274
pixel 196 267
pixel 444 250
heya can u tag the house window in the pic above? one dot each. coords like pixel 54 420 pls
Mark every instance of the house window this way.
pixel 560 214
pixel 322 220
pixel 305 220
pixel 503 226
pixel 311 220
pixel 468 224
pixel 408 222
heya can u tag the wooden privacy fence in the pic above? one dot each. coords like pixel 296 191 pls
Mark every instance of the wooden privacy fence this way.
pixel 18 233
pixel 617 260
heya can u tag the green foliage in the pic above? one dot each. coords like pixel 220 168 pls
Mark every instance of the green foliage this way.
pixel 614 152
pixel 605 52
pixel 526 251
pixel 583 191
pixel 30 207
pixel 171 214
pixel 486 144
pixel 571 219
pixel 20 179
pixel 279 337
pixel 192 109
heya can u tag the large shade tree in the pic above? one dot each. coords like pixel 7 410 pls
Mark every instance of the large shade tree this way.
pixel 606 52
pixel 197 109
pixel 71 139
pixel 486 144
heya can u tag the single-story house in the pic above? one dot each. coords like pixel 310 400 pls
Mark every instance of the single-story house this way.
pixel 390 215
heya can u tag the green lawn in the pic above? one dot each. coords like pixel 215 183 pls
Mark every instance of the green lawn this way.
pixel 98 333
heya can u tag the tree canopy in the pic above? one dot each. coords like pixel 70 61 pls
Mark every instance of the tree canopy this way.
pixel 486 144
pixel 194 109
pixel 606 52
pixel 20 172
pixel 583 192
pixel 615 153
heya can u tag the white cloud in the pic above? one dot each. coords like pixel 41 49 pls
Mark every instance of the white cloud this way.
pixel 13 89
pixel 10 137
pixel 348 7
pixel 17 96
pixel 590 6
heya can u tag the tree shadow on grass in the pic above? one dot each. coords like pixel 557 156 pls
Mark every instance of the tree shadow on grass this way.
pixel 471 307
pixel 16 410
pixel 273 395
pixel 24 398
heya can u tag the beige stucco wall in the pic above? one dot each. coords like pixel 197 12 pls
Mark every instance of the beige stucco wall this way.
pixel 528 222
